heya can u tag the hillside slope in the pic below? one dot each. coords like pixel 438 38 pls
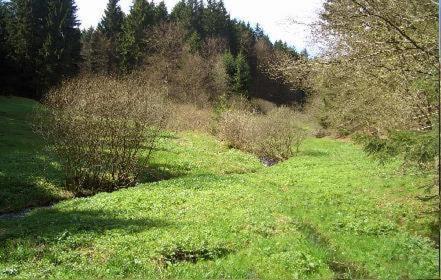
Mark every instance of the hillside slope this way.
pixel 29 175
pixel 328 213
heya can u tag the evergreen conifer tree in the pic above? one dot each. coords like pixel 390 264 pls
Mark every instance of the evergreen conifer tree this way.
pixel 111 27
pixel 133 44
pixel 242 76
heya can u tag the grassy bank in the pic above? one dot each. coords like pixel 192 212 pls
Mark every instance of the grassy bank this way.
pixel 329 212
pixel 29 175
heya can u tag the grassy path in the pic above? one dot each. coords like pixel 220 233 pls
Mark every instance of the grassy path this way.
pixel 328 213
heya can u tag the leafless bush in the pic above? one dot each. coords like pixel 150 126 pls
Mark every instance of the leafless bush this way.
pixel 98 127
pixel 277 135
pixel 264 106
pixel 190 77
pixel 281 134
pixel 240 103
pixel 236 128
pixel 188 117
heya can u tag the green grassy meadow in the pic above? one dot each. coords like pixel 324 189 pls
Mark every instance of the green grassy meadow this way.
pixel 29 175
pixel 212 212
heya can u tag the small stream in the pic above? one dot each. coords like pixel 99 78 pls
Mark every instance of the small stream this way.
pixel 268 162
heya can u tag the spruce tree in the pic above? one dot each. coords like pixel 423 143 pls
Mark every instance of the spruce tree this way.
pixel 243 75
pixel 230 69
pixel 215 19
pixel 7 69
pixel 111 27
pixel 25 40
pixel 112 21
pixel 46 41
pixel 188 13
pixel 161 13
pixel 60 52
pixel 133 44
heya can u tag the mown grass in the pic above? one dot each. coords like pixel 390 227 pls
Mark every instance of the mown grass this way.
pixel 329 212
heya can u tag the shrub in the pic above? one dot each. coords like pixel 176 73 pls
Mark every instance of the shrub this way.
pixel 98 127
pixel 280 135
pixel 276 135
pixel 264 106
pixel 236 128
pixel 185 117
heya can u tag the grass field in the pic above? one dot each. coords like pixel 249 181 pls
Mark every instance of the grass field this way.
pixel 29 176
pixel 329 212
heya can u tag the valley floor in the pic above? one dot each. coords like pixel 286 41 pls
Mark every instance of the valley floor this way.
pixel 330 212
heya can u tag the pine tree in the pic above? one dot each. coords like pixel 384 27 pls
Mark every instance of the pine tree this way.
pixel 45 40
pixel 60 53
pixel 161 13
pixel 7 69
pixel 112 21
pixel 111 27
pixel 242 76
pixel 86 51
pixel 132 45
pixel 189 13
pixel 215 19
pixel 99 44
pixel 230 69
pixel 94 51
pixel 258 32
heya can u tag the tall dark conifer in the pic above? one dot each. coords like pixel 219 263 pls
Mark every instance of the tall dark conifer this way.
pixel 133 44
pixel 161 12
pixel 7 69
pixel 45 39
pixel 111 27
pixel 215 20
pixel 60 53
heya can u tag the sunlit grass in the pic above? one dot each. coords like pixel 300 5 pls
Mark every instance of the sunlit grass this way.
pixel 328 212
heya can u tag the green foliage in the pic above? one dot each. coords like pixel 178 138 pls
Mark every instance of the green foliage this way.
pixel 7 71
pixel 215 20
pixel 61 48
pixel 279 45
pixel 195 42
pixel 95 52
pixel 133 44
pixel 238 73
pixel 242 76
pixel 161 13
pixel 111 27
pixel 230 68
pixel 112 21
pixel 44 40
pixel 415 148
pixel 330 212
pixel 188 13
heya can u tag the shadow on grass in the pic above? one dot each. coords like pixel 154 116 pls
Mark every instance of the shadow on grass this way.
pixel 27 172
pixel 18 195
pixel 53 225
pixel 160 172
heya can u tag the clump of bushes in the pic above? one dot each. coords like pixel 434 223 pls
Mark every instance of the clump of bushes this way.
pixel 189 117
pixel 98 127
pixel 277 135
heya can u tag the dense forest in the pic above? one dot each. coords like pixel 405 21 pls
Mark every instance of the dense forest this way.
pixel 181 143
pixel 42 44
